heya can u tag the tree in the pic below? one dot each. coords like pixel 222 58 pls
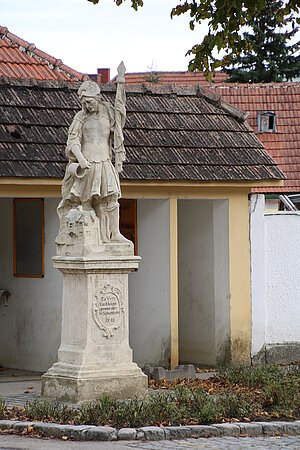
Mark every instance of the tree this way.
pixel 269 57
pixel 226 18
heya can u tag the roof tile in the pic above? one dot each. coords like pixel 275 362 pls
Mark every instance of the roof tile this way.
pixel 20 59
pixel 281 98
pixel 170 134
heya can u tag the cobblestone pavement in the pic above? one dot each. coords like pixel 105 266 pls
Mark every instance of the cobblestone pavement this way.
pixel 225 443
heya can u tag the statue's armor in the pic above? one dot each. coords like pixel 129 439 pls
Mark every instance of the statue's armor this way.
pixel 95 145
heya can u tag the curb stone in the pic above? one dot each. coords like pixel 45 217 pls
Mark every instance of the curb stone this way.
pixel 127 434
pixel 204 431
pixel 250 429
pixel 105 433
pixel 152 433
pixel 228 429
pixel 178 432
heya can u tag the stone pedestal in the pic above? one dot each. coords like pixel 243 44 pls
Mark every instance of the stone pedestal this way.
pixel 94 357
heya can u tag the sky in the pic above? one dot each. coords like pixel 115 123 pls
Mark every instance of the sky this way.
pixel 87 36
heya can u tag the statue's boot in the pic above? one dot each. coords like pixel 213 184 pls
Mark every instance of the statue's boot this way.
pixel 113 217
pixel 62 211
pixel 101 213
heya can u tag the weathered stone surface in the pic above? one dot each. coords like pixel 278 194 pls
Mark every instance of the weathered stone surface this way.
pixel 20 426
pixel 227 429
pixel 282 353
pixel 259 358
pixel 140 435
pixel 177 432
pixel 272 427
pixel 288 427
pixel 7 424
pixel 127 434
pixel 94 433
pixel 94 357
pixel 101 434
pixel 152 433
pixel 54 429
pixel 76 390
pixel 204 431
pixel 251 429
pixel 181 372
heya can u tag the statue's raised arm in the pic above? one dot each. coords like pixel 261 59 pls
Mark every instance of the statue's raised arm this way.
pixel 120 117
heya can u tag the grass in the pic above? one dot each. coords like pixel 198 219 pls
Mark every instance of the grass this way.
pixel 243 393
pixel 2 408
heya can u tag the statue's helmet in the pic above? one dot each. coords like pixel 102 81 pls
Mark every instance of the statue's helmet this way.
pixel 88 89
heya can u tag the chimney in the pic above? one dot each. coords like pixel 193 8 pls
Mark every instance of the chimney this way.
pixel 103 75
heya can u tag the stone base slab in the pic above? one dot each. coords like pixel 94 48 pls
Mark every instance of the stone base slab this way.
pixel 278 354
pixel 76 390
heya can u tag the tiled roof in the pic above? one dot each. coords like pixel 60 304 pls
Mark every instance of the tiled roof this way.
pixel 284 145
pixel 20 59
pixel 178 78
pixel 170 134
pixel 282 98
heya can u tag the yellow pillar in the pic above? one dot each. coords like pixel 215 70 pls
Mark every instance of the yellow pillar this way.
pixel 240 294
pixel 174 282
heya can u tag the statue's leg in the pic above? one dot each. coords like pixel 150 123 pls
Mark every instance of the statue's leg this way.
pixel 112 209
pixel 100 207
pixel 62 212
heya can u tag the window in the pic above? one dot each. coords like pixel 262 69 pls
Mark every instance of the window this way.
pixel 29 237
pixel 266 122
pixel 128 220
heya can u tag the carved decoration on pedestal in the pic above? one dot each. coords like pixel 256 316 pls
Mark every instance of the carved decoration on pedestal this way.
pixel 108 310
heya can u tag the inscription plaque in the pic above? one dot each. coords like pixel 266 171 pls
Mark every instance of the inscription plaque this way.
pixel 108 310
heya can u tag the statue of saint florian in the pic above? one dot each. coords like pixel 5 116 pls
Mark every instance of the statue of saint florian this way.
pixel 91 180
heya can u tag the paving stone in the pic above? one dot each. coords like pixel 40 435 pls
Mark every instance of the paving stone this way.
pixel 228 429
pixel 204 431
pixel 251 429
pixel 127 434
pixel 177 432
pixel 101 434
pixel 152 433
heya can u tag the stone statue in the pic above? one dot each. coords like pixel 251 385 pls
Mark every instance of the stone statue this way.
pixel 94 357
pixel 91 183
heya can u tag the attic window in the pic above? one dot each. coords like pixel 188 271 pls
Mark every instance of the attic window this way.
pixel 266 122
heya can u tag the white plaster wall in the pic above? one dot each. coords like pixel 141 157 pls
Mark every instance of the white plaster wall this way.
pixel 149 287
pixel 257 239
pixel 282 269
pixel 30 324
pixel 196 282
